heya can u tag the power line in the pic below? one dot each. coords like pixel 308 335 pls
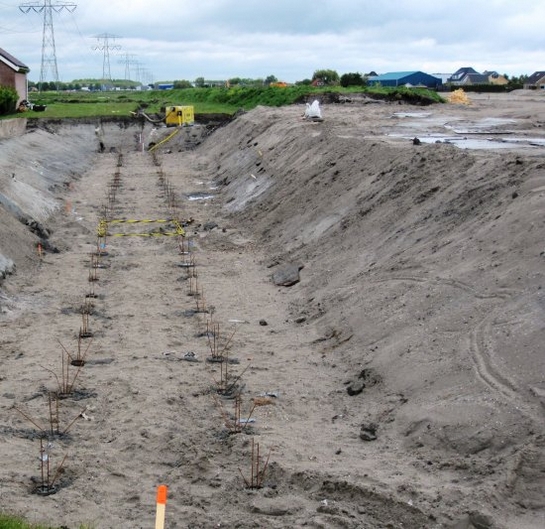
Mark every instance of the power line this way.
pixel 105 46
pixel 143 75
pixel 147 76
pixel 128 59
pixel 49 52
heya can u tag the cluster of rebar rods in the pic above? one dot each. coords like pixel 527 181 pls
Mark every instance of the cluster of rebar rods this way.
pixel 219 344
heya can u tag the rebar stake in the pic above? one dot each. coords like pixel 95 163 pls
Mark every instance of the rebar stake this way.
pixel 47 484
pixel 85 331
pixel 54 421
pixel 257 474
pixel 93 274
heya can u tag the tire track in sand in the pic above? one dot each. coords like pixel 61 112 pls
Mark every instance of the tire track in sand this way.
pixel 504 293
pixel 482 358
pixel 499 382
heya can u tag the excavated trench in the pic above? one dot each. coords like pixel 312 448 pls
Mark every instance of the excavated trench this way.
pixel 380 385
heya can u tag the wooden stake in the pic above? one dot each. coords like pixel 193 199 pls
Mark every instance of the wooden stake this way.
pixel 161 507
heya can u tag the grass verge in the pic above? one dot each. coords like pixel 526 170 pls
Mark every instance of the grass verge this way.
pixel 205 100
pixel 14 522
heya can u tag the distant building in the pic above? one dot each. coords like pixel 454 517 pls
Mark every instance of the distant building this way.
pixel 13 73
pixel 414 79
pixel 467 76
pixel 536 81
pixel 217 83
pixel 496 78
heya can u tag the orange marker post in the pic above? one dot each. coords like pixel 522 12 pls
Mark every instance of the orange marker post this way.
pixel 161 507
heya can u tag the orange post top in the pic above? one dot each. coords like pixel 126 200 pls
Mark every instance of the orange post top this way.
pixel 162 494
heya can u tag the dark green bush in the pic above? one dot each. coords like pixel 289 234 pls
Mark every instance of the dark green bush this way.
pixel 8 100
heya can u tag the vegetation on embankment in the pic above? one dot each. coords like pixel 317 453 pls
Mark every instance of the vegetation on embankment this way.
pixel 205 100
pixel 13 522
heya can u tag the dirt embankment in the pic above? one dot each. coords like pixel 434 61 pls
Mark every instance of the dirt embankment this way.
pixel 407 359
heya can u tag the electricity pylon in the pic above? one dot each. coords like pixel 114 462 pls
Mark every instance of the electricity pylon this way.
pixel 49 52
pixel 105 46
pixel 127 61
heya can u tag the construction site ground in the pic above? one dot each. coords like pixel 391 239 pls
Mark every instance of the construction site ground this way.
pixel 397 383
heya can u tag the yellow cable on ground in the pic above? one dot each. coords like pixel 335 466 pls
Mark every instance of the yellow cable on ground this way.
pixel 136 221
pixel 150 234
pixel 164 141
pixel 179 230
pixel 102 228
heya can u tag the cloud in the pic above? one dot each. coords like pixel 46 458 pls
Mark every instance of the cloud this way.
pixel 217 39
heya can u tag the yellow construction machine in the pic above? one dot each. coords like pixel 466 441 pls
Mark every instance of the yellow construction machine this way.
pixel 171 116
pixel 177 116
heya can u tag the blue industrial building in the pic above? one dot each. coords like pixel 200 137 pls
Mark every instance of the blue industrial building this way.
pixel 406 79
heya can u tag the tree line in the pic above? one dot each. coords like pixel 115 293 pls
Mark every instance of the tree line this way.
pixel 322 77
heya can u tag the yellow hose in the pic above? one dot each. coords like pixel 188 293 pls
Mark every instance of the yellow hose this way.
pixel 165 140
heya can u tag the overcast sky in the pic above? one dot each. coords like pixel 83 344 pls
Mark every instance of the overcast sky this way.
pixel 220 39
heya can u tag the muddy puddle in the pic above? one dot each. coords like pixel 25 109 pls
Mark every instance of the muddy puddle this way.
pixel 199 195
pixel 490 133
pixel 464 142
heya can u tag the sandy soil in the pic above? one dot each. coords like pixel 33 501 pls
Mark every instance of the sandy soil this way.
pixel 402 376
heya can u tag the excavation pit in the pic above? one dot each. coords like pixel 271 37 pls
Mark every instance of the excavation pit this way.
pixel 422 262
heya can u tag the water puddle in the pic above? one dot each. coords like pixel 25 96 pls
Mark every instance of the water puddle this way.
pixel 485 133
pixel 463 142
pixel 200 195
pixel 411 114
